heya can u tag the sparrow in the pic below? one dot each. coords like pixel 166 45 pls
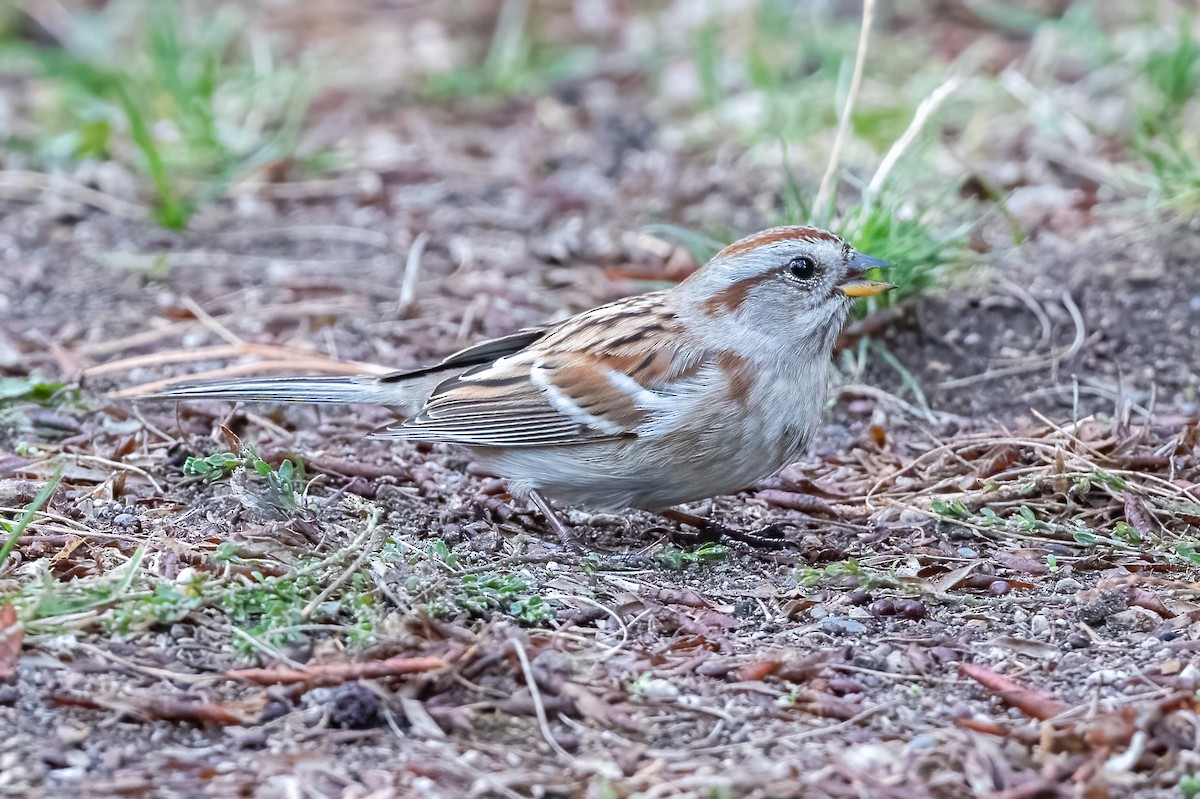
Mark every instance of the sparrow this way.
pixel 647 402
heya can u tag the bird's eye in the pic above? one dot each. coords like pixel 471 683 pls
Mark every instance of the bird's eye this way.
pixel 802 268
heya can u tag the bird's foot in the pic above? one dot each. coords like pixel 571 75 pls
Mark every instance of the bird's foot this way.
pixel 556 524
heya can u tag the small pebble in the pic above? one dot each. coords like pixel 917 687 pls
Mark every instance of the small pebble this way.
pixel 837 626
pixel 1068 585
pixel 1190 676
pixel 1105 677
pixel 1102 608
pixel 54 757
pixel 275 708
pixel 70 735
pixel 251 739
pixel 1078 641
pixel 660 690
pixel 944 654
pixel 353 706
pixel 742 609
pixel 1039 626
pixel 841 686
pixel 923 742
pixel 1138 620
pixel 968 553
pixel 999 588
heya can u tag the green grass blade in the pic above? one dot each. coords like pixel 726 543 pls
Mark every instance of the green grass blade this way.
pixel 29 515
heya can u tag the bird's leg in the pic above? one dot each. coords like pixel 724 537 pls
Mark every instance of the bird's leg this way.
pixel 554 522
pixel 769 536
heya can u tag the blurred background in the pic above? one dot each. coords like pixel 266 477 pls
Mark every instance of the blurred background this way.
pixel 593 148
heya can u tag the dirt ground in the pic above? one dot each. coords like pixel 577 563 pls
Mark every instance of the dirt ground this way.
pixel 903 643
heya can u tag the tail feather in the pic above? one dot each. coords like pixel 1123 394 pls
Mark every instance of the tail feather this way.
pixel 408 396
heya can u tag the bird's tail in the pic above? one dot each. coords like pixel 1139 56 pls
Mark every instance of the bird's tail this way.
pixel 406 395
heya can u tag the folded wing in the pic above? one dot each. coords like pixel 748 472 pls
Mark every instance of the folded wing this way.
pixel 621 370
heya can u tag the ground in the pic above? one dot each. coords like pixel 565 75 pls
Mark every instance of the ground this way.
pixel 989 581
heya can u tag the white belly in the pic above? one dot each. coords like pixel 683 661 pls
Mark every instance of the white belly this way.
pixel 710 454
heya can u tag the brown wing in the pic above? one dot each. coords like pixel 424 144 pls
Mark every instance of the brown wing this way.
pixel 596 376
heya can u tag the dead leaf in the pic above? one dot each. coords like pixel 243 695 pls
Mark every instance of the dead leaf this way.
pixel 12 633
pixel 1028 701
pixel 1139 516
pixel 1142 598
pixel 998 460
pixel 1021 563
pixel 69 547
pixel 952 578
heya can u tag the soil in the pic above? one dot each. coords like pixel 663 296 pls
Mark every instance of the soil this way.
pixel 763 673
pixel 984 351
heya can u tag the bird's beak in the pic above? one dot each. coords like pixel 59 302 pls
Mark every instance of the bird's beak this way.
pixel 856 286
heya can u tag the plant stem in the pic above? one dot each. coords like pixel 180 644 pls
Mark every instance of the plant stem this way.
pixel 819 209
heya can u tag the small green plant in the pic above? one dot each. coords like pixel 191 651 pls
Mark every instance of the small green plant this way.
pixel 1126 532
pixel 950 510
pixel 270 608
pixel 213 467
pixel 1052 563
pixel 166 604
pixel 518 61
pixel 437 549
pixel 1175 73
pixel 1027 522
pixel 1089 538
pixel 1163 136
pixel 22 429
pixel 809 576
pixel 281 483
pixel 31 389
pixel 15 531
pixel 1189 786
pixel 676 558
pixel 1188 552
pixel 988 518
pixel 482 594
pixel 1108 480
pixel 197 104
